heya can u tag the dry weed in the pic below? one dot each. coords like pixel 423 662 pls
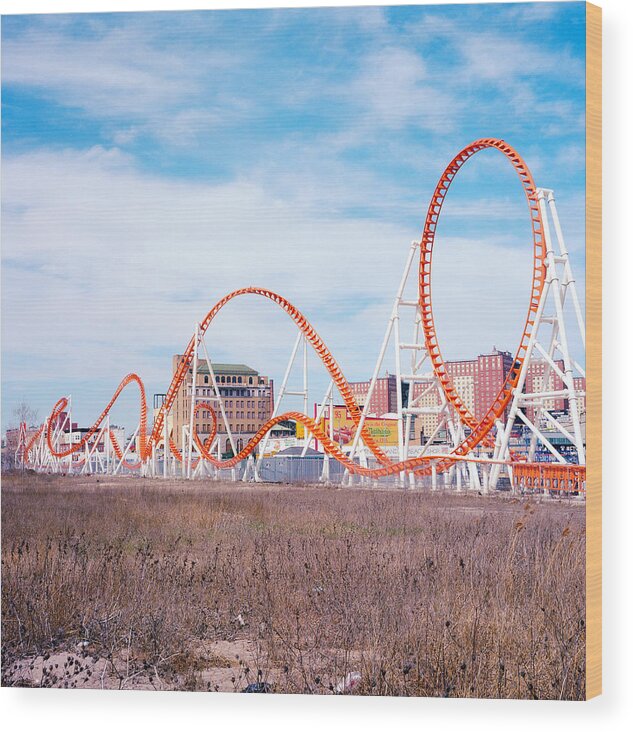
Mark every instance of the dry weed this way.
pixel 423 594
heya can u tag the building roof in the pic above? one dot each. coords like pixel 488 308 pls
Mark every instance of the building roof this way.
pixel 282 428
pixel 297 450
pixel 224 368
pixel 227 368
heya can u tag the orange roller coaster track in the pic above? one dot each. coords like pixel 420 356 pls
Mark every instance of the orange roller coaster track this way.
pixel 480 430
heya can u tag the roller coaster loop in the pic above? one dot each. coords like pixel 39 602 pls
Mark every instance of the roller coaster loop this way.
pixel 479 430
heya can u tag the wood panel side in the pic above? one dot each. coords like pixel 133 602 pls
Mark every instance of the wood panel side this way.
pixel 593 221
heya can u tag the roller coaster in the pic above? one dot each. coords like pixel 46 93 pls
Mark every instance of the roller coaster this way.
pixel 480 451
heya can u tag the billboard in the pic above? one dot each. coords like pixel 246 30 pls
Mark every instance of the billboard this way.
pixel 384 431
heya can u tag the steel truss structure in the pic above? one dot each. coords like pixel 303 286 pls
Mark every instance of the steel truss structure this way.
pixel 478 452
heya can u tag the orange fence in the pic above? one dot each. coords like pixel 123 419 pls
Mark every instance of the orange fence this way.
pixel 556 477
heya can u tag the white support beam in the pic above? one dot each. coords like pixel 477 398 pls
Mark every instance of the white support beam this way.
pixel 127 449
pixel 194 379
pixel 280 395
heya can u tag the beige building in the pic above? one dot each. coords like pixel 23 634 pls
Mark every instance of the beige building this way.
pixel 478 381
pixel 426 397
pixel 580 385
pixel 463 375
pixel 248 399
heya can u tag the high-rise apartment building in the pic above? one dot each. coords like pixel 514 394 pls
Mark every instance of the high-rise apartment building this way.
pixel 384 399
pixel 492 370
pixel 478 381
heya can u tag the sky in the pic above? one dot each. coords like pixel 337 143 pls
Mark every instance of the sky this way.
pixel 153 162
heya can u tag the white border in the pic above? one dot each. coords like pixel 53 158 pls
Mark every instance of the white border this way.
pixel 51 710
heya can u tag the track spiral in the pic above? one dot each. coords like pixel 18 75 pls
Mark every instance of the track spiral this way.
pixel 479 430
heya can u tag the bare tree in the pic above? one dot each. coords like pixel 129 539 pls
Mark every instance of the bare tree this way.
pixel 25 413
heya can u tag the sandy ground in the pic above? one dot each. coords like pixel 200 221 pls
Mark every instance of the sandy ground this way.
pixel 219 666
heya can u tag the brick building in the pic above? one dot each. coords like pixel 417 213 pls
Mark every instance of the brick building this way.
pixel 384 399
pixel 492 370
pixel 247 395
pixel 477 381
pixel 12 440
pixel 535 382
pixel 12 435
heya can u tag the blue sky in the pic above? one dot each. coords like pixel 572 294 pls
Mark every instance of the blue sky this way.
pixel 153 162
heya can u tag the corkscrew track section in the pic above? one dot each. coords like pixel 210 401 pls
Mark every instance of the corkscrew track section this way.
pixel 480 431
pixel 58 410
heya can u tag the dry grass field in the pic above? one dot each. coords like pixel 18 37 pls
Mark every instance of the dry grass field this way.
pixel 131 583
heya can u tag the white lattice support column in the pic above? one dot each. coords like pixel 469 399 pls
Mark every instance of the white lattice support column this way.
pixel 325 475
pixel 108 447
pixel 70 432
pixel 280 395
pixel 130 443
pixel 166 447
pixel 393 328
pixel 220 401
pixel 319 414
pixel 194 378
pixel 569 279
pixel 501 450
pixel 558 281
pixel 562 330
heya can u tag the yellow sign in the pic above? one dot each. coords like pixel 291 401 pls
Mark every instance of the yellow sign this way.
pixel 384 431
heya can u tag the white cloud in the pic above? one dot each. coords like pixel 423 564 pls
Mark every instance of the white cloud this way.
pixel 394 89
pixel 106 269
pixel 103 263
pixel 490 57
pixel 534 12
pixel 118 72
pixel 500 72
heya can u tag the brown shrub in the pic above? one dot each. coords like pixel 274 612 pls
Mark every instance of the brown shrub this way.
pixel 423 594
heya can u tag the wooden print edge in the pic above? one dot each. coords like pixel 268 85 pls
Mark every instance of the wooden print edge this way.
pixel 593 234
